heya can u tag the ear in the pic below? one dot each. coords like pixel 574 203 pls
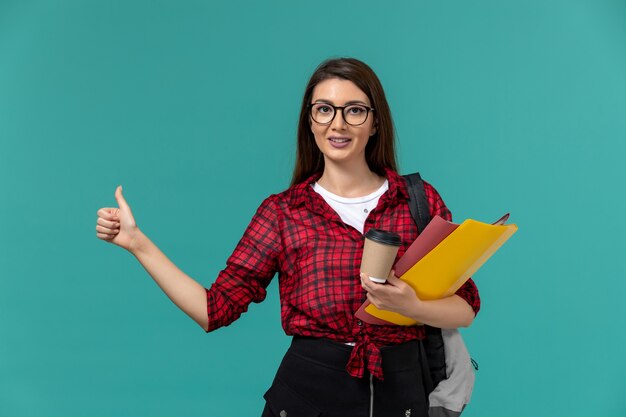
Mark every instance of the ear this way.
pixel 373 130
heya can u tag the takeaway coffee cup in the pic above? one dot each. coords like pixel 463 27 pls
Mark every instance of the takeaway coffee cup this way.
pixel 379 252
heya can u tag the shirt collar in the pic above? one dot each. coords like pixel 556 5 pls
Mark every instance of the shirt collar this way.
pixel 397 187
pixel 303 193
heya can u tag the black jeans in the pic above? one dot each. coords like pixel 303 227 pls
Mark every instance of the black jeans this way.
pixel 312 381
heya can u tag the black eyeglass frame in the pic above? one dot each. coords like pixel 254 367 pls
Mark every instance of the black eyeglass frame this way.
pixel 342 108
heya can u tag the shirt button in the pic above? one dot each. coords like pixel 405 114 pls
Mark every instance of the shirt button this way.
pixel 365 210
pixel 359 323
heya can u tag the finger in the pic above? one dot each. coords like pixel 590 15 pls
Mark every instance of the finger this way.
pixel 372 287
pixel 366 283
pixel 107 231
pixel 104 236
pixel 373 300
pixel 109 213
pixel 121 201
pixel 108 224
pixel 393 279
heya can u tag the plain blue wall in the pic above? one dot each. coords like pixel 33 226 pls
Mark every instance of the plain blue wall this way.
pixel 513 106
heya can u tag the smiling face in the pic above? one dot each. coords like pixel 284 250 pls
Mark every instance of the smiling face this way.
pixel 338 141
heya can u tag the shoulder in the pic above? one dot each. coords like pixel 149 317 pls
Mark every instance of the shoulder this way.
pixel 272 204
pixel 297 194
pixel 431 191
pixel 399 181
pixel 435 202
pixel 282 201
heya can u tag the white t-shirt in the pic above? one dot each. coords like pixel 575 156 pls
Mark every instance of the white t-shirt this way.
pixel 354 210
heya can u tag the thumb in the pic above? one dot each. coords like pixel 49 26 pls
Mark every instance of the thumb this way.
pixel 125 215
pixel 392 278
pixel 121 201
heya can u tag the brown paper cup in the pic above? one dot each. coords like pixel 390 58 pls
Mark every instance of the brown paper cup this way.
pixel 379 252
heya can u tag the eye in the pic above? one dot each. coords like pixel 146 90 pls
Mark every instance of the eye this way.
pixel 322 108
pixel 356 110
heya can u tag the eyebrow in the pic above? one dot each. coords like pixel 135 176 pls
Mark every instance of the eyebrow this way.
pixel 347 103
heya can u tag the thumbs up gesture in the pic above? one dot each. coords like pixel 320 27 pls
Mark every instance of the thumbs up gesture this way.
pixel 117 225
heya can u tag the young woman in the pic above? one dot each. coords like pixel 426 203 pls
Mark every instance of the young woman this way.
pixel 344 183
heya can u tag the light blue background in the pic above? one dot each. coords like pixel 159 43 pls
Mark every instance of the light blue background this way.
pixel 513 106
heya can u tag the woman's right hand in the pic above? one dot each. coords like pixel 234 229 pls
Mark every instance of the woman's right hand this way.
pixel 117 225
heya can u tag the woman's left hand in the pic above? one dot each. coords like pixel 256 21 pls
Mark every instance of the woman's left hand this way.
pixel 396 295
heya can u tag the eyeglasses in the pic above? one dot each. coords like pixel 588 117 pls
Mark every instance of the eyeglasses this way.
pixel 354 114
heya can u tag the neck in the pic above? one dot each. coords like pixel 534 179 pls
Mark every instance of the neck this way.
pixel 355 180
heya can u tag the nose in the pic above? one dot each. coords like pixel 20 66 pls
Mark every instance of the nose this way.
pixel 338 121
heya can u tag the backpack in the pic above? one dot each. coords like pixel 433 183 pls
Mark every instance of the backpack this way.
pixel 450 379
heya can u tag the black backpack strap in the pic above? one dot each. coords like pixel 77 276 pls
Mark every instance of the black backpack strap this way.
pixel 433 343
pixel 435 355
pixel 418 204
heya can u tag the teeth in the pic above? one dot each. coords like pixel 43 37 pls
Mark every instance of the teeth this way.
pixel 340 140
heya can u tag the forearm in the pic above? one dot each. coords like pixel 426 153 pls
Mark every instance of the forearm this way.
pixel 184 291
pixel 446 313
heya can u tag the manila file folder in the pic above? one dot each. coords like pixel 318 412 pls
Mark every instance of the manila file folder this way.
pixel 441 260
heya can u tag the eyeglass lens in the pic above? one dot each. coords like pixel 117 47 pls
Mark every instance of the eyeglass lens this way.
pixel 325 113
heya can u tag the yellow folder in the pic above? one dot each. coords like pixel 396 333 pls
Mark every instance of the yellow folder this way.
pixel 447 266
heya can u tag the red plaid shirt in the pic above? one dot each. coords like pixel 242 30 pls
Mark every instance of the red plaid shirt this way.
pixel 317 257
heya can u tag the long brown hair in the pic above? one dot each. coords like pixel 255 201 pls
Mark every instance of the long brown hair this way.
pixel 380 150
